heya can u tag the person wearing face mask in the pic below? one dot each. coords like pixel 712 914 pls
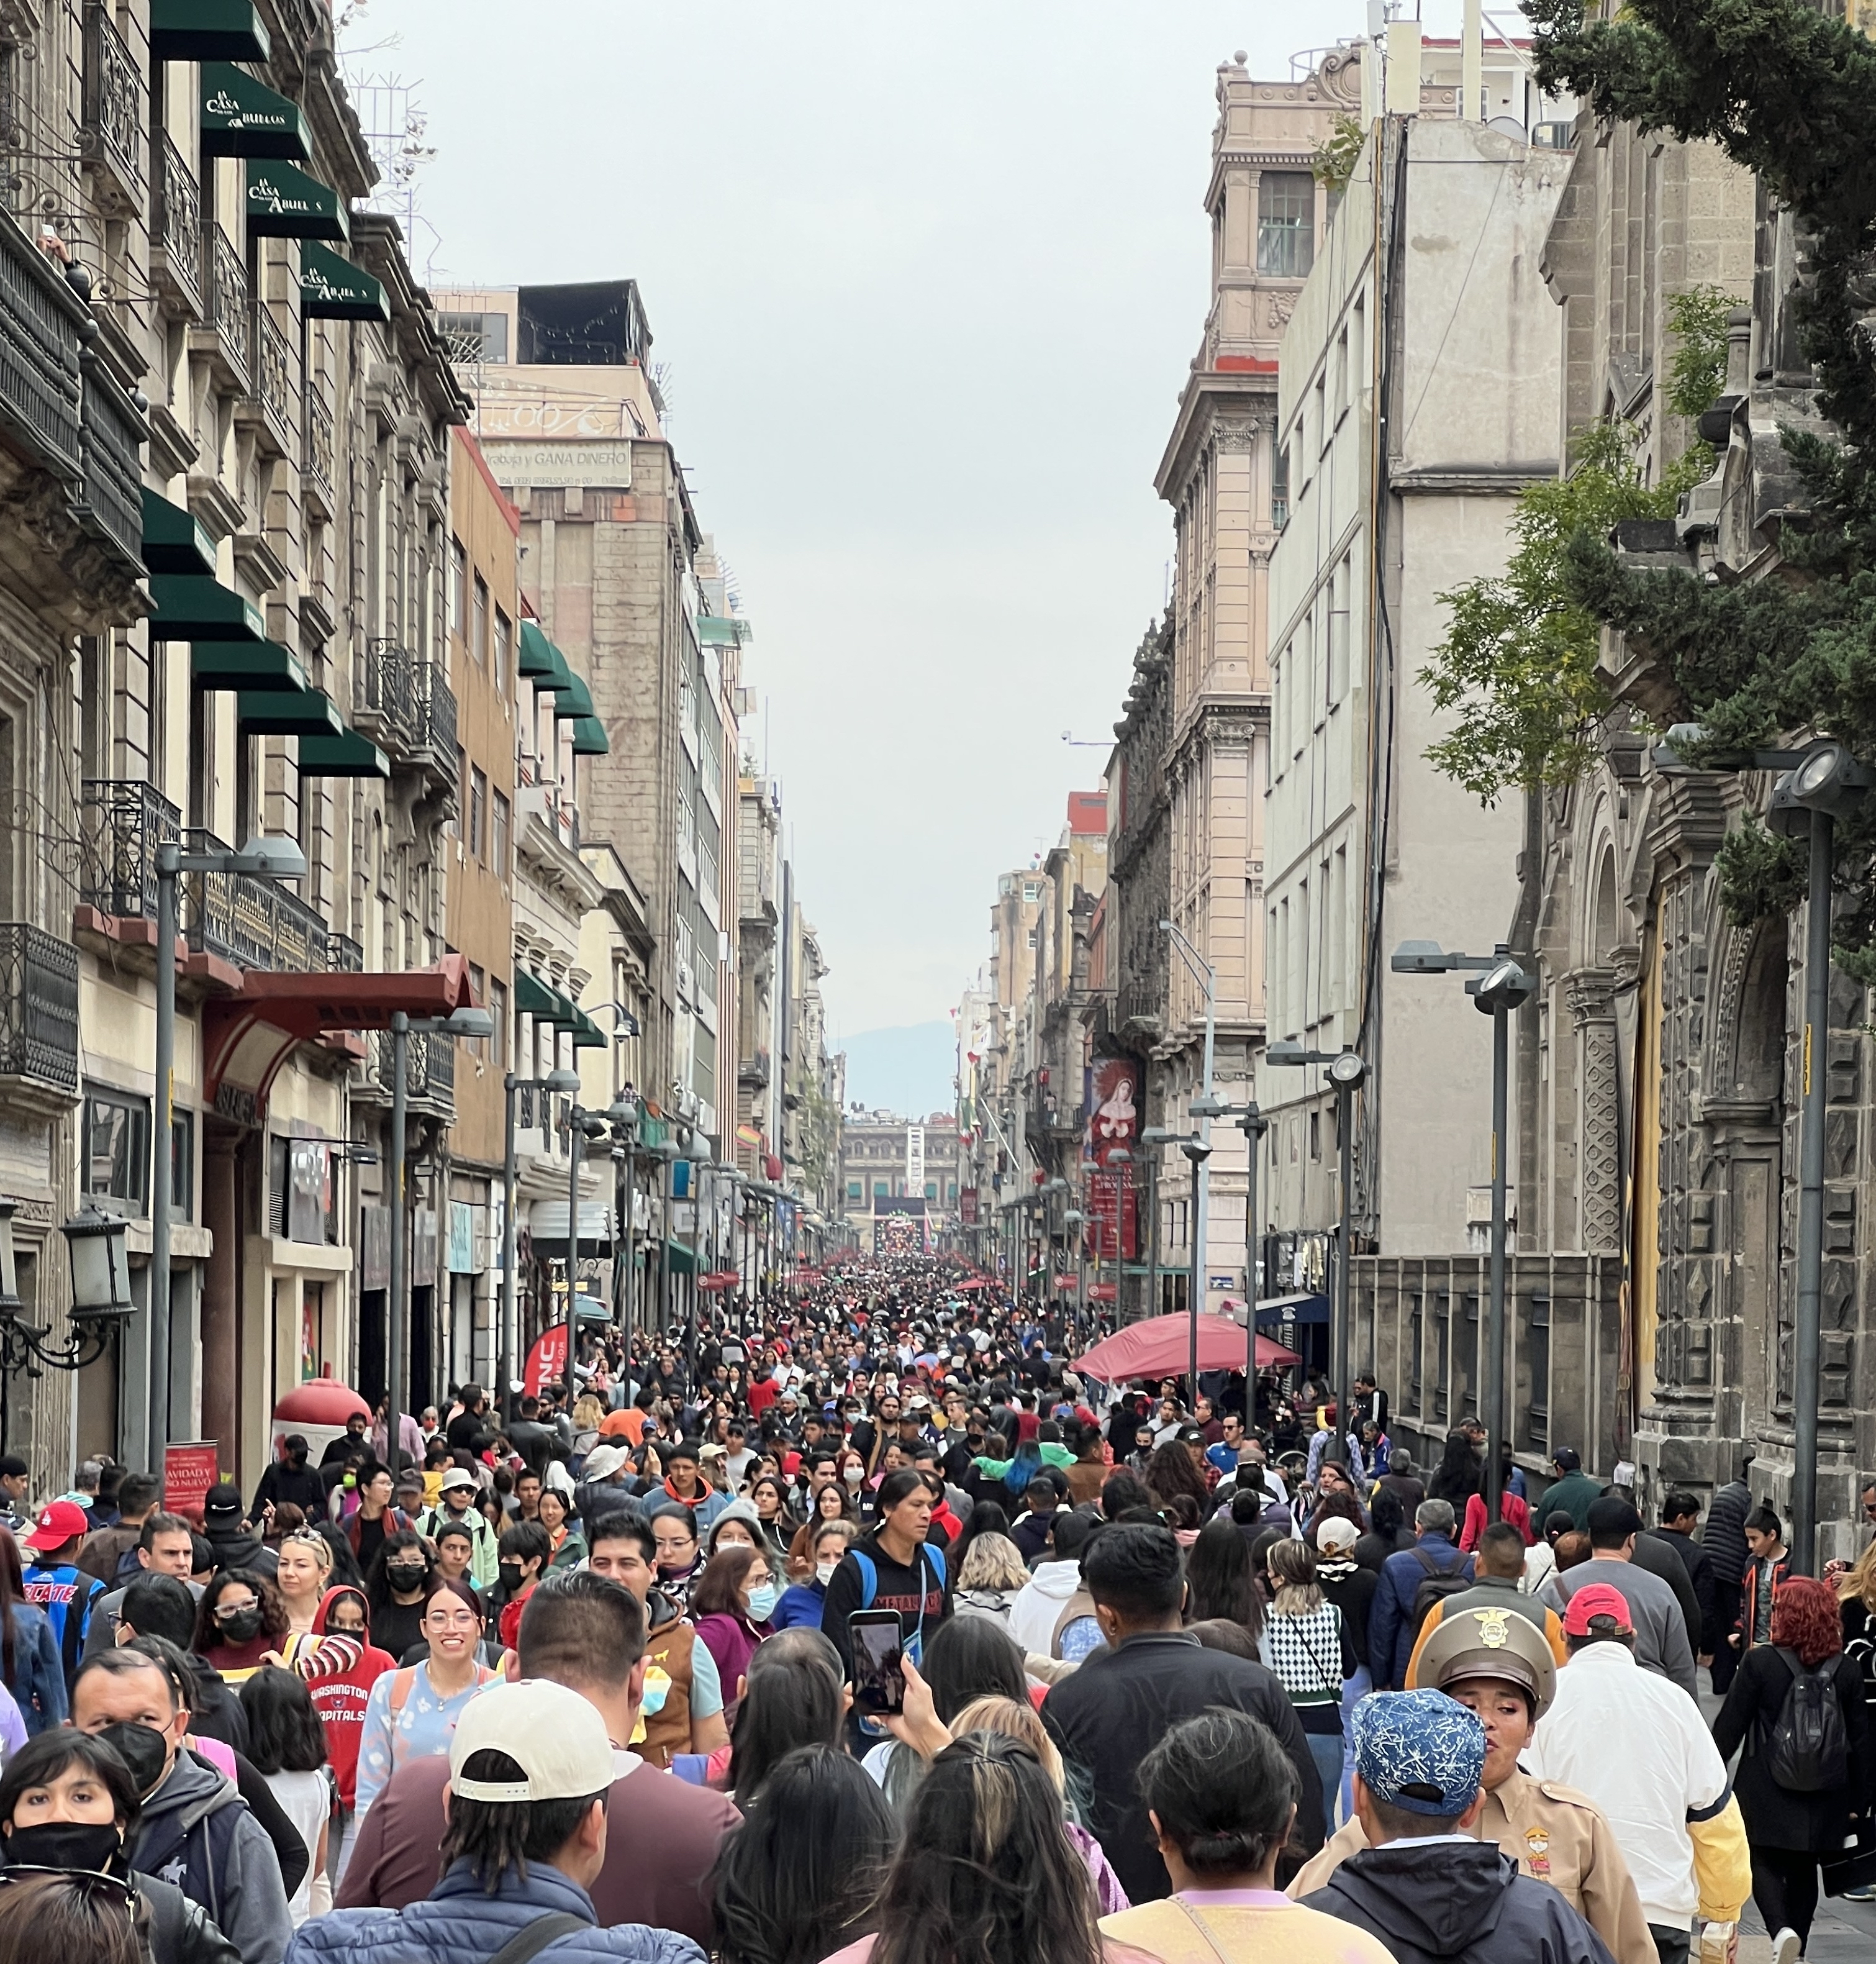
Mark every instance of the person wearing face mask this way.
pixel 67 1801
pixel 239 1621
pixel 340 1696
pixel 290 1479
pixel 456 1508
pixel 196 1831
pixel 802 1604
pixel 731 1605
pixel 674 1531
pixel 681 1707
pixel 395 1585
pixel 525 1550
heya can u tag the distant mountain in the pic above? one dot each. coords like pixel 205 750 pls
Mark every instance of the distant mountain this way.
pixel 907 1070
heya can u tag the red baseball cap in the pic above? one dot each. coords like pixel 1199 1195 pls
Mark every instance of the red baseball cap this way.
pixel 59 1522
pixel 1595 1599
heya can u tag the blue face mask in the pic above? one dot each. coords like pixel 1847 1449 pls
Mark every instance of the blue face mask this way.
pixel 762 1601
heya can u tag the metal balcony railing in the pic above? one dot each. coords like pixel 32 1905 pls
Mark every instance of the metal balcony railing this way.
pixel 226 302
pixel 114 96
pixel 317 452
pixel 125 821
pixel 176 225
pixel 434 720
pixel 39 1007
pixel 110 503
pixel 271 372
pixel 381 692
pixel 40 390
pixel 254 923
pixel 429 1066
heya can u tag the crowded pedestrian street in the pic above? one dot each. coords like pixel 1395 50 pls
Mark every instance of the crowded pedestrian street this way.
pixel 938 982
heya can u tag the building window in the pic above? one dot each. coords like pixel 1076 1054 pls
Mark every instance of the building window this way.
pixel 498 838
pixel 498 1014
pixel 504 644
pixel 117 1150
pixel 1280 488
pixel 882 1189
pixel 459 585
pixel 478 811
pixel 478 622
pixel 856 1190
pixel 1286 223
pixel 931 1189
pixel 1032 891
pixel 182 1165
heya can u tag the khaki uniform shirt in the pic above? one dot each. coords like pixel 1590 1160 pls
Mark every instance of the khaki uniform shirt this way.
pixel 1553 1833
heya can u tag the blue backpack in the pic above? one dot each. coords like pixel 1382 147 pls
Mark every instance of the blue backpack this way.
pixel 914 1645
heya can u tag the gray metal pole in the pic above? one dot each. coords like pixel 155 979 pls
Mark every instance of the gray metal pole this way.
pixel 1252 1127
pixel 167 858
pixel 396 1312
pixel 1494 1401
pixel 576 1137
pixel 1807 1337
pixel 1153 1234
pixel 505 1337
pixel 630 1225
pixel 1202 1183
pixel 1345 1140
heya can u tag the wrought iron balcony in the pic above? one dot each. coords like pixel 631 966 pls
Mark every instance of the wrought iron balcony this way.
pixel 318 452
pixel 254 923
pixel 39 386
pixel 228 315
pixel 434 723
pixel 110 503
pixel 176 228
pixel 112 137
pixel 124 823
pixel 39 1014
pixel 406 705
pixel 345 954
pixel 429 1070
pixel 270 375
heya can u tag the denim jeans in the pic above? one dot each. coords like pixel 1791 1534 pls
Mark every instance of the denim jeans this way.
pixel 1326 1750
pixel 1353 1691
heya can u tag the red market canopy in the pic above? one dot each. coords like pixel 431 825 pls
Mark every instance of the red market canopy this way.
pixel 1161 1347
pixel 718 1279
pixel 974 1283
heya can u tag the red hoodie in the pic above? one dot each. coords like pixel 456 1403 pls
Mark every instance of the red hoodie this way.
pixel 339 1698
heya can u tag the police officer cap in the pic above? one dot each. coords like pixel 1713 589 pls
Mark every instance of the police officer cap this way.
pixel 1500 1643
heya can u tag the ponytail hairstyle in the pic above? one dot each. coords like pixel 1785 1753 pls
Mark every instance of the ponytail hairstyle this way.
pixel 1224 1791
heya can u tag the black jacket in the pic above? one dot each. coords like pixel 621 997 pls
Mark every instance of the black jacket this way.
pixel 301 1485
pixel 1699 1565
pixel 1665 1562
pixel 1463 1902
pixel 1775 1817
pixel 1353 1594
pixel 1118 1706
pixel 1723 1537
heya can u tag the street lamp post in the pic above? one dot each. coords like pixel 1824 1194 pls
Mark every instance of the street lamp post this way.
pixel 1499 988
pixel 1154 1137
pixel 1820 781
pixel 1072 1224
pixel 265 857
pixel 1346 1072
pixel 1201 1181
pixel 1198 1151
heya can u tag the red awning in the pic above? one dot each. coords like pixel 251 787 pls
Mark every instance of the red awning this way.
pixel 1161 1345
pixel 248 1036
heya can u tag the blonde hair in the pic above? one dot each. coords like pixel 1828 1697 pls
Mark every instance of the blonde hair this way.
pixel 1292 1567
pixel 992 1561
pixel 1858 1583
pixel 1017 1722
pixel 589 1413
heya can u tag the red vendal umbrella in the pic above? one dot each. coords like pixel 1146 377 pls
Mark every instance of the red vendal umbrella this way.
pixel 1161 1347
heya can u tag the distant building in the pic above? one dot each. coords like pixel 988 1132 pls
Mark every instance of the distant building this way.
pixel 897 1170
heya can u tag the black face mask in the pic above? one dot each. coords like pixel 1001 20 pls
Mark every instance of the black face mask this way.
pixel 142 1749
pixel 405 1574
pixel 67 1844
pixel 296 1460
pixel 511 1575
pixel 241 1628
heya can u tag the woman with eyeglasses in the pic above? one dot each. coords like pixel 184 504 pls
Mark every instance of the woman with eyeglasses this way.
pixel 68 1803
pixel 240 1623
pixel 412 1712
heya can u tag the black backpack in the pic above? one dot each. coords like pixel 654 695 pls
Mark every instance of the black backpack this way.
pixel 1808 1749
pixel 1440 1583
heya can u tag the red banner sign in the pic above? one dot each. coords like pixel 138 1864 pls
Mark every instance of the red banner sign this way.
pixel 967 1206
pixel 547 1362
pixel 1113 1227
pixel 189 1471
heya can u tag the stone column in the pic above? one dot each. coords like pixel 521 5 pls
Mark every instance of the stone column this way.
pixel 221 1389
pixel 1590 994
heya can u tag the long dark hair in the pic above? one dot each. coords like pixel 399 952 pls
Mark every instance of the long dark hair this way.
pixel 274 1621
pixel 1457 1476
pixel 1170 1471
pixel 12 1591
pixel 987 1517
pixel 972 1656
pixel 377 1583
pixel 792 1699
pixel 986 1871
pixel 284 1734
pixel 800 1878
pixel 1220 1580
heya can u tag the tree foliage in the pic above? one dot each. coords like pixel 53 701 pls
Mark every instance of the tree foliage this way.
pixel 1518 660
pixel 1791 94
pixel 1335 156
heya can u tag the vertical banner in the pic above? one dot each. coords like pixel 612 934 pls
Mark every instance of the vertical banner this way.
pixel 914 1161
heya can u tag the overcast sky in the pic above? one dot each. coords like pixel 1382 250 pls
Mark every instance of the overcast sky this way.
pixel 929 280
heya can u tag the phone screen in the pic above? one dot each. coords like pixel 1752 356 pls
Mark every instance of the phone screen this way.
pixel 879 1684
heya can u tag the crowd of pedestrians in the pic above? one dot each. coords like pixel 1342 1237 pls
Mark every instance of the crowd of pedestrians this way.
pixel 871 1630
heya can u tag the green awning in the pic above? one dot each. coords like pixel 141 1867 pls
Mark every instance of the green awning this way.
pixel 350 755
pixel 175 541
pixel 534 998
pixel 555 676
pixel 722 631
pixel 651 1132
pixel 242 117
pixel 682 1262
pixel 244 666
pixel 275 712
pixel 334 289
pixel 572 698
pixel 587 1033
pixel 284 203
pixel 207 30
pixel 589 737
pixel 190 607
pixel 539 657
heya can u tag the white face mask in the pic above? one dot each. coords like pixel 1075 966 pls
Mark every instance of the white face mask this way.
pixel 854 1475
pixel 825 1571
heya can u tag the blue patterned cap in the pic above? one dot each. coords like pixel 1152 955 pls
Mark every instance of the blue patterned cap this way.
pixel 1420 1750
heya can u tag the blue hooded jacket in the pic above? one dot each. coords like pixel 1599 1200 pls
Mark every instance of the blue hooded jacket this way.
pixel 460 1923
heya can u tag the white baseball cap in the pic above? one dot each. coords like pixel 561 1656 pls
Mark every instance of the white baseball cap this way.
pixel 553 1734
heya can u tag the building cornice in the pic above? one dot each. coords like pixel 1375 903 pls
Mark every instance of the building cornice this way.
pixel 1210 396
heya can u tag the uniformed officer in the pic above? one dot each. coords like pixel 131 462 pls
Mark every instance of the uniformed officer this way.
pixel 1498 1663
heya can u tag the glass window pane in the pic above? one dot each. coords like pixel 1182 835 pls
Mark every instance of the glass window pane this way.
pixel 1286 223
